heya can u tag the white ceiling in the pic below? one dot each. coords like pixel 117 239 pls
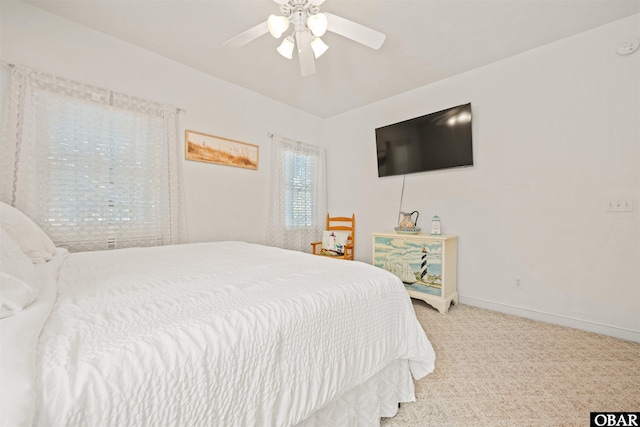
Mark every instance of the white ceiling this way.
pixel 427 40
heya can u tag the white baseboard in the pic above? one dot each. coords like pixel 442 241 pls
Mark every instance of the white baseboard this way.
pixel 557 319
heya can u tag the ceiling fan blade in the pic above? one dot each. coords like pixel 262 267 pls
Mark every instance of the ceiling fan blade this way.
pixel 355 31
pixel 247 36
pixel 305 53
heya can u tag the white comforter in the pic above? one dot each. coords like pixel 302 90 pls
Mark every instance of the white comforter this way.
pixel 217 334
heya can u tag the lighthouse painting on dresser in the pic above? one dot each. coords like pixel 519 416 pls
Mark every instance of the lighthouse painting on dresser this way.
pixel 417 263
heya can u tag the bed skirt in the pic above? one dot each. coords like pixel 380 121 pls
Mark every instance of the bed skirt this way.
pixel 366 403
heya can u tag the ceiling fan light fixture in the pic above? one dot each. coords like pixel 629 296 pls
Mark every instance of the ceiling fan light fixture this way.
pixel 277 25
pixel 319 47
pixel 308 26
pixel 286 47
pixel 318 24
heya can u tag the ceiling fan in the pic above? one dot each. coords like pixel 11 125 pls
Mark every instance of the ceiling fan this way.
pixel 309 24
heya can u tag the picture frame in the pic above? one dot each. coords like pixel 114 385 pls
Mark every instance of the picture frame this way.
pixel 202 147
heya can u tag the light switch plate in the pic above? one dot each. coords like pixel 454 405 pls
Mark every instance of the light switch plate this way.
pixel 619 205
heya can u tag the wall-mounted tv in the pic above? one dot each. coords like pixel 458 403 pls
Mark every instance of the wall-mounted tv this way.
pixel 439 140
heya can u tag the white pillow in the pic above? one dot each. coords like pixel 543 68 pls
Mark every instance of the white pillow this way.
pixel 33 241
pixel 19 284
pixel 333 242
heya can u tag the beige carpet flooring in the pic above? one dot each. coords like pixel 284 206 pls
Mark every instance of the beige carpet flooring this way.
pixel 495 369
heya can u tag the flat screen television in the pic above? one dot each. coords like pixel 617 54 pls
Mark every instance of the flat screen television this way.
pixel 439 140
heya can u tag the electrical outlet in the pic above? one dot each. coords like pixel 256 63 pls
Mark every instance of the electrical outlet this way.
pixel 517 282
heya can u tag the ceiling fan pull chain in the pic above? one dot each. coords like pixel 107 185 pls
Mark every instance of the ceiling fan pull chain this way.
pixel 298 42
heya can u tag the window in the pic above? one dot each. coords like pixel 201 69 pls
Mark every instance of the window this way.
pixel 96 169
pixel 298 194
pixel 300 204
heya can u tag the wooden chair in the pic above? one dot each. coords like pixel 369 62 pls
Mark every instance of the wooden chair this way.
pixel 339 224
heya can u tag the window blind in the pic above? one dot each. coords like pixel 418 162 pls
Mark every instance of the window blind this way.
pixel 300 203
pixel 96 169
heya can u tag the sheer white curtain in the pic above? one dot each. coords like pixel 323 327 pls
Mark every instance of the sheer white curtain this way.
pixel 94 168
pixel 298 195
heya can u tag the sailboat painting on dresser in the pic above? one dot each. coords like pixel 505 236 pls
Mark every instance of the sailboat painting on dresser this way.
pixel 417 263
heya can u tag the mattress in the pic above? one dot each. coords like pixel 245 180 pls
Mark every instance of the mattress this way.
pixel 226 333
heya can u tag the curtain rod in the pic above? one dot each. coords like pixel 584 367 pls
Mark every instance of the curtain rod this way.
pixel 10 65
pixel 271 135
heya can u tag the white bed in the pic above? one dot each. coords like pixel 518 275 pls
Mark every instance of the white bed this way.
pixel 210 334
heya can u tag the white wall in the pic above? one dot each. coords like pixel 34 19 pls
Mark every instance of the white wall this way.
pixel 556 132
pixel 222 203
